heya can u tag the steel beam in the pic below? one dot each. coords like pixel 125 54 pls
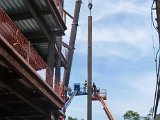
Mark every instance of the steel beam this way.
pixel 68 14
pixel 9 56
pixel 56 15
pixel 31 6
pixel 24 16
pixel 5 99
pixel 30 114
pixel 66 45
pixel 22 93
pixel 73 34
pixel 35 36
pixel 39 20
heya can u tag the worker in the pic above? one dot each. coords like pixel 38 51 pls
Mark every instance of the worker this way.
pixel 95 90
pixel 85 83
pixel 94 87
pixel 85 86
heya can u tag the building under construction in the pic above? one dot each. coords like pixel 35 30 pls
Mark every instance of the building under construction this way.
pixel 31 40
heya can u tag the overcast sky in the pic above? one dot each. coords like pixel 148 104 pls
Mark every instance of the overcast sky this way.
pixel 123 58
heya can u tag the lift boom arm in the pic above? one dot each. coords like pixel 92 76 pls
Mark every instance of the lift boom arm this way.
pixel 105 107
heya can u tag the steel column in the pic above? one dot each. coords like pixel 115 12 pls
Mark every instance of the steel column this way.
pixel 58 68
pixel 89 102
pixel 50 62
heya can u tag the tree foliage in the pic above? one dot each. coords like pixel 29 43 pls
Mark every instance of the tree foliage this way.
pixel 131 115
pixel 71 118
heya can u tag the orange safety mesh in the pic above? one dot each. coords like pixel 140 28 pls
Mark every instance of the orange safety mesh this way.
pixel 20 43
pixel 58 89
pixel 49 76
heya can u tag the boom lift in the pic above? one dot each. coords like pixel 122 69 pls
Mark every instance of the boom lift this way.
pixel 98 94
pixel 78 90
pixel 105 106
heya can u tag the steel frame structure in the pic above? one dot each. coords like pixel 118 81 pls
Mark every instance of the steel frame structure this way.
pixel 28 43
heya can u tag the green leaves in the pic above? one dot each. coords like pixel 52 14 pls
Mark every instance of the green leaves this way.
pixel 131 115
pixel 71 118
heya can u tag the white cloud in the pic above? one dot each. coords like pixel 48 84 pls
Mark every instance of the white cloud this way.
pixel 138 36
pixel 131 41
pixel 109 8
pixel 135 94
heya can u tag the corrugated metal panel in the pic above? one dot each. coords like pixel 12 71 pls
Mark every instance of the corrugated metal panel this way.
pixel 41 4
pixel 50 21
pixel 48 17
pixel 27 26
pixel 13 6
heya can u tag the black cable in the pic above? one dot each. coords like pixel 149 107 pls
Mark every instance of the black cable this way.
pixel 154 27
pixel 157 91
pixel 157 82
pixel 152 16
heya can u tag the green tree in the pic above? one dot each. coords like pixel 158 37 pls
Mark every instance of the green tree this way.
pixel 71 118
pixel 146 118
pixel 131 115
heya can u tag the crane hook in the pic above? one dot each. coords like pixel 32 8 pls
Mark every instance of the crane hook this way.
pixel 90 5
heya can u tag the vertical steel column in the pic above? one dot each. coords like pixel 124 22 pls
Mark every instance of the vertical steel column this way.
pixel 89 102
pixel 50 61
pixel 58 67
